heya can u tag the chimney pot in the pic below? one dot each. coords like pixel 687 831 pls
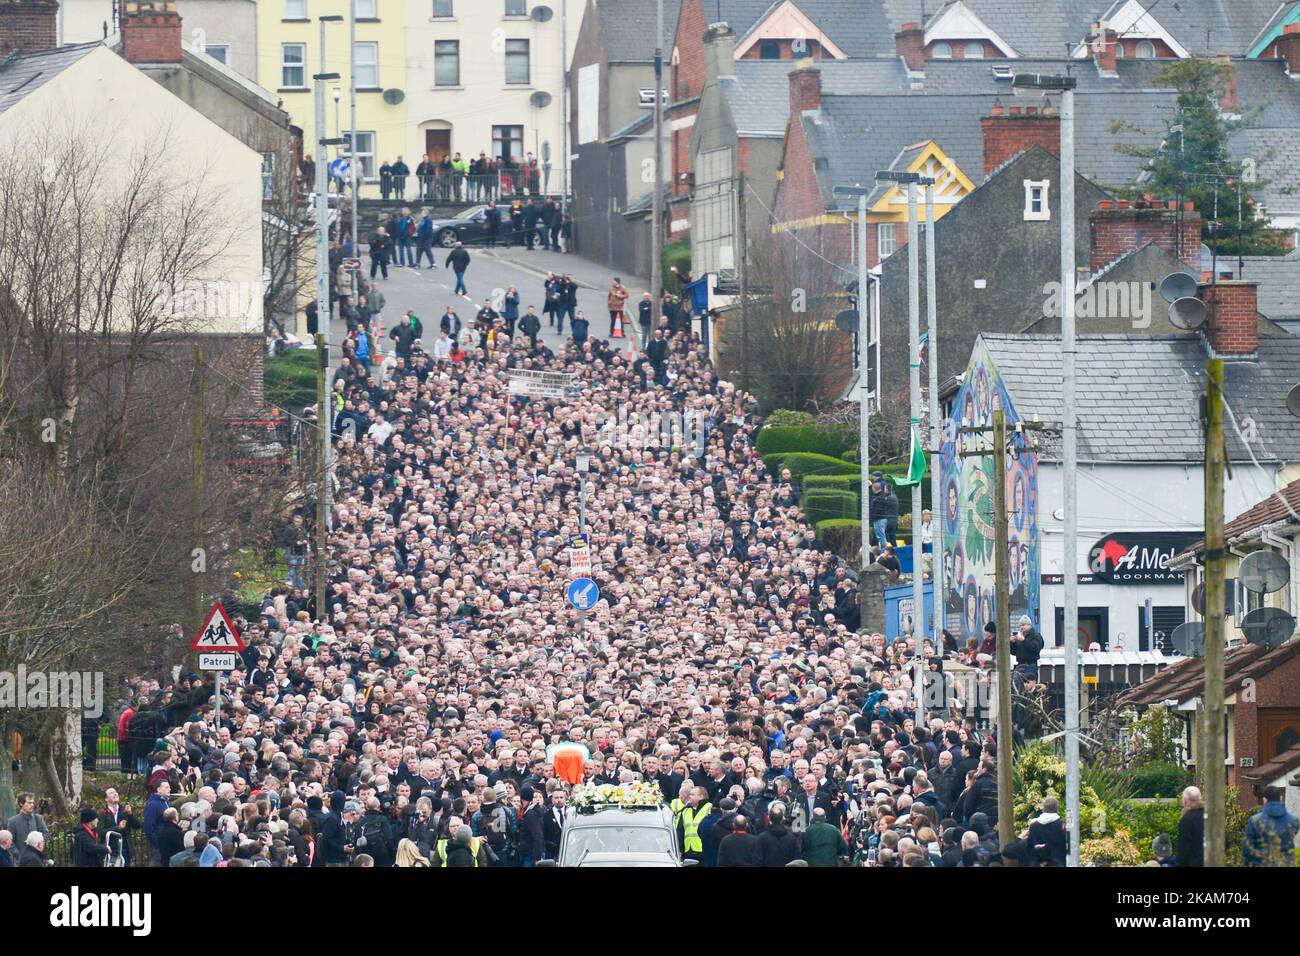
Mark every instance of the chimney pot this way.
pixel 151 31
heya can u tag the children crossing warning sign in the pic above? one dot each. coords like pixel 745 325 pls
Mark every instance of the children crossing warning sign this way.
pixel 217 633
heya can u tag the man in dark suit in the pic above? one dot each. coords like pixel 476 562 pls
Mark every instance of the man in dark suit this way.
pixel 669 783
pixel 117 818
pixel 553 824
pixel 814 798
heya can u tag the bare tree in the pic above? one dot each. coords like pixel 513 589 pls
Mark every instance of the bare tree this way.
pixel 781 339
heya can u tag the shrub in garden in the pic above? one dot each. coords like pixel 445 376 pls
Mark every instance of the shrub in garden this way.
pixel 1160 779
pixel 1113 850
pixel 825 505
pixel 850 483
pixel 841 535
pixel 818 439
pixel 808 463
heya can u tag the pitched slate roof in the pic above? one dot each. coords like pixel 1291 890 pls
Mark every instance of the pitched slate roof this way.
pixel 24 75
pixel 1279 283
pixel 1185 680
pixel 1267 512
pixel 1043 32
pixel 1138 398
pixel 858 27
pixel 1276 151
pixel 759 94
pixel 629 29
pixel 1232 25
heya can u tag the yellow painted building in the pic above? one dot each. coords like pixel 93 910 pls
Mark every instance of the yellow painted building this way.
pixel 289 54
pixel 887 205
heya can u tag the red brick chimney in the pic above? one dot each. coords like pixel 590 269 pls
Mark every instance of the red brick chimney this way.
pixel 28 25
pixel 1118 227
pixel 910 44
pixel 151 31
pixel 1233 323
pixel 1287 48
pixel 805 87
pixel 1103 47
pixel 1007 133
pixel 1228 101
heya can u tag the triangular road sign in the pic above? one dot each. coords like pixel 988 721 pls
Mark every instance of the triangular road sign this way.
pixel 217 633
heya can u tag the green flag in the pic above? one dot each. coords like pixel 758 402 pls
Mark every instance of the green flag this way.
pixel 915 467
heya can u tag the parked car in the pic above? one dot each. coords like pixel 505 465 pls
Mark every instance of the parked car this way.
pixel 468 226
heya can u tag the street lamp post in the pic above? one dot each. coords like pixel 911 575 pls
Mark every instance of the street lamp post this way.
pixel 912 180
pixel 1035 84
pixel 864 345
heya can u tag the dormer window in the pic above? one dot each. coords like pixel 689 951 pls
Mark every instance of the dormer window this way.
pixel 974 50
pixel 769 50
pixel 941 51
pixel 1146 50
pixel 1036 207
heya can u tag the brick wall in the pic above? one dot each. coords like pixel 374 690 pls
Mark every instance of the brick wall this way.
pixel 1009 132
pixel 909 43
pixel 28 25
pixel 151 32
pixel 1233 323
pixel 805 90
pixel 958 49
pixel 689 72
pixel 1279 687
pixel 812 48
pixel 1116 228
pixel 1287 47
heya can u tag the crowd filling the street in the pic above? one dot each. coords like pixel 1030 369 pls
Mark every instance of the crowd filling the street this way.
pixel 426 713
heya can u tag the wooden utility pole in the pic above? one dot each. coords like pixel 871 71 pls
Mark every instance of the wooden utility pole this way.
pixel 197 554
pixel 322 498
pixel 1212 755
pixel 1006 820
pixel 1002 597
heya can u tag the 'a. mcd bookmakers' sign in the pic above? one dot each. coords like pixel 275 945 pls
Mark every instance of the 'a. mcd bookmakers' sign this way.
pixel 1136 557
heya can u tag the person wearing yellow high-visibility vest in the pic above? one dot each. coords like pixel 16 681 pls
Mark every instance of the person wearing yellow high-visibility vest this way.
pixel 465 849
pixel 696 809
pixel 679 802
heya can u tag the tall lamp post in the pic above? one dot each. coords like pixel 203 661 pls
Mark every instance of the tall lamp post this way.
pixel 864 414
pixel 1036 84
pixel 912 180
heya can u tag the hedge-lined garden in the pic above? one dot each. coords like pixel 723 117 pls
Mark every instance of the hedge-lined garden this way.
pixel 822 460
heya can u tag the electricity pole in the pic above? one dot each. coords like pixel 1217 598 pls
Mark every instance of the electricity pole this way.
pixel 656 201
pixel 742 260
pixel 1212 755
pixel 198 478
pixel 352 123
pixel 1002 597
pixel 914 398
pixel 322 503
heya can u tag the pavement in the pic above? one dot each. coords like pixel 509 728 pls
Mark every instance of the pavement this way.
pixel 491 272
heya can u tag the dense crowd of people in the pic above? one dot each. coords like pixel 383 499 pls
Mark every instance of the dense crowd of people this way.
pixel 409 725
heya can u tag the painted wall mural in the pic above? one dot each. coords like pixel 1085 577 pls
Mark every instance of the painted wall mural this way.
pixel 968 532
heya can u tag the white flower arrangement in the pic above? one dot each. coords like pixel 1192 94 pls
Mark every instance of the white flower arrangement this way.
pixel 588 796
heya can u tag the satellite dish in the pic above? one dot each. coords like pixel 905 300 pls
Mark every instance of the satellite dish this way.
pixel 540 99
pixel 1177 285
pixel 1268 626
pixel 1263 572
pixel 1293 401
pixel 393 97
pixel 1198 599
pixel 542 14
pixel 1189 639
pixel 1187 313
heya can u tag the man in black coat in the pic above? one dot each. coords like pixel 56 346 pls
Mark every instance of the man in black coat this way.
pixel 1026 645
pixel 738 848
pixel 171 838
pixel 334 847
pixel 1049 843
pixel 532 829
pixel 553 828
pixel 982 797
pixel 377 832
pixel 1191 830
pixel 458 262
pixel 531 326
pixel 776 846
pixel 657 353
pixel 380 248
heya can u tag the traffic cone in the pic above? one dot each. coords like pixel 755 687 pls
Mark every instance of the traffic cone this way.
pixel 618 327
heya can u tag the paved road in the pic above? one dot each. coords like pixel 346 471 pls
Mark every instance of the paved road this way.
pixel 429 291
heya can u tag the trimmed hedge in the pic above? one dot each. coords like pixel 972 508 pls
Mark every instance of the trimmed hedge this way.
pixel 784 416
pixel 852 483
pixel 821 506
pixel 289 379
pixel 818 439
pixel 841 535
pixel 808 463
